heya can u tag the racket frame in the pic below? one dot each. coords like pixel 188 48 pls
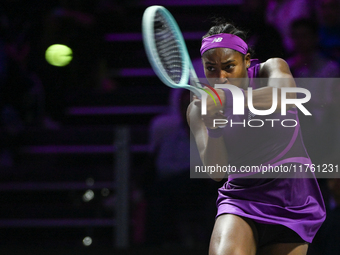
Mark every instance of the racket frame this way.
pixel 188 71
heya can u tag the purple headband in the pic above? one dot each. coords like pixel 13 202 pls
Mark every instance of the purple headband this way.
pixel 224 41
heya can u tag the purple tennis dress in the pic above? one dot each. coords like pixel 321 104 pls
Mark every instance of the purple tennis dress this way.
pixel 295 202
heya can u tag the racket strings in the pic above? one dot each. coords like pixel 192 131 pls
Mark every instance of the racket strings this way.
pixel 168 48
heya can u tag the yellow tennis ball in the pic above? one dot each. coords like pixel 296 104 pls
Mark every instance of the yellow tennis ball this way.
pixel 58 55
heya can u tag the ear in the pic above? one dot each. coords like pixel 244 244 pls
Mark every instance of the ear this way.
pixel 247 60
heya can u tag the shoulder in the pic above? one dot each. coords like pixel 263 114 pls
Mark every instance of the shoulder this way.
pixel 274 67
pixel 274 63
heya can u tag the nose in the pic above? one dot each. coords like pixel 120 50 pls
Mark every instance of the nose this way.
pixel 223 78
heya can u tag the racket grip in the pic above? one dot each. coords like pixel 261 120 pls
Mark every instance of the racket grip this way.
pixel 196 91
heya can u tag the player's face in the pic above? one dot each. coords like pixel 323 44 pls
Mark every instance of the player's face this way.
pixel 223 65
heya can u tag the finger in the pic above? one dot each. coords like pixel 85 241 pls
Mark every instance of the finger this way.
pixel 198 102
pixel 220 113
pixel 207 88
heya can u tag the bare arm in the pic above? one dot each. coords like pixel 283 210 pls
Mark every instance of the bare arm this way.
pixel 212 150
pixel 277 72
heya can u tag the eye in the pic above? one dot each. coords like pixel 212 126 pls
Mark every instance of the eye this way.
pixel 210 68
pixel 228 67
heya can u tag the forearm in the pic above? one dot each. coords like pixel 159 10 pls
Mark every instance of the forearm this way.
pixel 212 150
pixel 262 98
pixel 215 153
pixel 274 73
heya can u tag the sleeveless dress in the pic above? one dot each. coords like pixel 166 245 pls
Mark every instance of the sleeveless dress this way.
pixel 294 199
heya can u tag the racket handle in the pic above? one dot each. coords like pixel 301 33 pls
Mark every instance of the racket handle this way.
pixel 196 91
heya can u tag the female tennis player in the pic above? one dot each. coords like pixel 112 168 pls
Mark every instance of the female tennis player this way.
pixel 278 215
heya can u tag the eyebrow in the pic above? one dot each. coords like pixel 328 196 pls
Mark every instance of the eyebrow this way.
pixel 223 63
pixel 229 61
pixel 209 63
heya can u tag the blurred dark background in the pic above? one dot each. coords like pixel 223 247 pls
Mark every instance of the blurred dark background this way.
pixel 94 155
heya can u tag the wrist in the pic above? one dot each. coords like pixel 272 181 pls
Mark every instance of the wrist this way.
pixel 215 132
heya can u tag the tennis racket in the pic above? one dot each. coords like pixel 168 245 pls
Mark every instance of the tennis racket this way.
pixel 166 50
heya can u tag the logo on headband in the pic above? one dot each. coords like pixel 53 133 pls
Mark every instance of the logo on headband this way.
pixel 224 40
pixel 218 39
